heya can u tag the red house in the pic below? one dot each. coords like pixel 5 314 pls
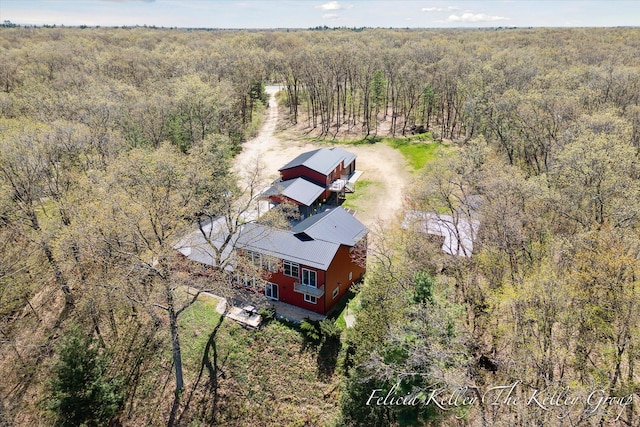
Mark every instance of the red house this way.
pixel 315 178
pixel 313 264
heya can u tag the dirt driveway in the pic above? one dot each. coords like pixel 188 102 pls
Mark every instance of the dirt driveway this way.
pixel 380 163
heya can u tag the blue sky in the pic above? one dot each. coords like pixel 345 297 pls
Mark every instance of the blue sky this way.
pixel 333 13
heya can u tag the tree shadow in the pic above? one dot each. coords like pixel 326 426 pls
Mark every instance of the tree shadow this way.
pixel 207 406
pixel 327 358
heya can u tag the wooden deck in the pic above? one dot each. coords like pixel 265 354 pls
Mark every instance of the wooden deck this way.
pixel 247 318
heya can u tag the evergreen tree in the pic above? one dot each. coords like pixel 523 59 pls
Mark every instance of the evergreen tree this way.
pixel 82 394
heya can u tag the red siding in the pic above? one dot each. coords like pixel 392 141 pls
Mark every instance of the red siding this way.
pixel 288 295
pixel 282 199
pixel 303 171
pixel 338 275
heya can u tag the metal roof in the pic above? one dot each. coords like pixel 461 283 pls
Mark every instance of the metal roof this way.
pixel 322 160
pixel 459 233
pixel 313 242
pixel 347 156
pixel 334 225
pixel 286 245
pixel 298 189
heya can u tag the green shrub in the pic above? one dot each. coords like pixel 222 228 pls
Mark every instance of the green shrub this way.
pixel 81 391
pixel 311 330
pixel 267 314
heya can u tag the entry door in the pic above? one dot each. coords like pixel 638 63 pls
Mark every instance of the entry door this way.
pixel 271 291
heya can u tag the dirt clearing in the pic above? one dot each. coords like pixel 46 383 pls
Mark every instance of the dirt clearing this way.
pixel 379 162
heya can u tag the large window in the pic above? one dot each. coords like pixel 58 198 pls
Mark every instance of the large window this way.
pixel 247 280
pixel 270 263
pixel 291 269
pixel 309 278
pixel 255 258
pixel 263 261
pixel 310 298
pixel 271 291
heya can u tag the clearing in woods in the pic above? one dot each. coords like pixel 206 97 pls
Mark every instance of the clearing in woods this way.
pixel 382 164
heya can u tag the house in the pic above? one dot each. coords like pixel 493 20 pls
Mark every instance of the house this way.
pixel 315 178
pixel 311 265
pixel 458 233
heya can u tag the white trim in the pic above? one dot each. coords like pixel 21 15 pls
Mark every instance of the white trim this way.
pixel 269 294
pixel 309 281
pixel 291 265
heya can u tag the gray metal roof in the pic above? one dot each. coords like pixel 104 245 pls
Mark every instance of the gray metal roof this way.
pixel 313 242
pixel 286 245
pixel 298 189
pixel 334 225
pixel 347 156
pixel 459 233
pixel 322 160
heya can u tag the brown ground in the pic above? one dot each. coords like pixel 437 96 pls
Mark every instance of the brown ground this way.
pixel 380 163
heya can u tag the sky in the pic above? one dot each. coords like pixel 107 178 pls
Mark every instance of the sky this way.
pixel 332 13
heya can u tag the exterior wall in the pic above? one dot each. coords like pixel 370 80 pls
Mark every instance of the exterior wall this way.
pixel 350 168
pixel 318 178
pixel 288 295
pixel 282 199
pixel 303 171
pixel 338 275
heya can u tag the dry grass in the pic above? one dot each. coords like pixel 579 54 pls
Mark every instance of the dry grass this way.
pixel 266 377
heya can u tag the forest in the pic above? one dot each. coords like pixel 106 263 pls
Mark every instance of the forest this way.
pixel 115 141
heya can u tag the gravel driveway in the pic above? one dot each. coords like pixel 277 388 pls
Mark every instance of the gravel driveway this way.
pixel 379 162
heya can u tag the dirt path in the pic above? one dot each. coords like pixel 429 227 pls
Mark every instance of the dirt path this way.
pixel 380 163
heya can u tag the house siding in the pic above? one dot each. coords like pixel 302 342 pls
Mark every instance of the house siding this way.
pixel 283 199
pixel 303 171
pixel 287 293
pixel 338 276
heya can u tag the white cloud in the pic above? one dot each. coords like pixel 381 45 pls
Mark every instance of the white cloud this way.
pixel 475 17
pixel 332 5
pixel 440 9
pixel 330 16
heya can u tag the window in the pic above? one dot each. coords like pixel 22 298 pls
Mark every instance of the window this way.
pixel 291 269
pixel 310 298
pixel 255 258
pixel 247 280
pixel 263 261
pixel 309 278
pixel 271 291
pixel 335 293
pixel 270 263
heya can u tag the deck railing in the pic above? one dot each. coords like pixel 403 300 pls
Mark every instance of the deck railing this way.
pixel 316 291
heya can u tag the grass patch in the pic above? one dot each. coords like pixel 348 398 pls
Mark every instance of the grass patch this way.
pixel 361 141
pixel 267 376
pixel 352 304
pixel 364 191
pixel 419 150
pixel 338 311
pixel 196 323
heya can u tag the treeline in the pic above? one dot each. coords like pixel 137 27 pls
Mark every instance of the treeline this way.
pixel 547 303
pixel 109 154
pixel 521 88
pixel 112 142
pixel 548 299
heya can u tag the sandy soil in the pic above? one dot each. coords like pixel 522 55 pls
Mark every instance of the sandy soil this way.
pixel 380 163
